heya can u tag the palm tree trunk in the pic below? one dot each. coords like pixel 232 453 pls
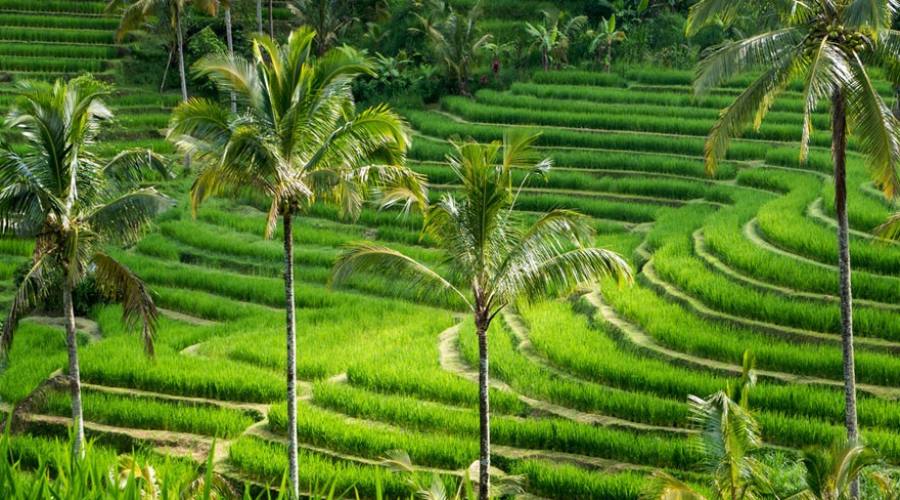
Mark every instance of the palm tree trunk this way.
pixel 271 20
pixel 484 410
pixel 162 84
pixel 179 34
pixel 230 40
pixel 259 26
pixel 74 371
pixel 291 353
pixel 839 151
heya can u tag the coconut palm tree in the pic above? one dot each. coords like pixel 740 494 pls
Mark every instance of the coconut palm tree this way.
pixel 491 250
pixel 456 40
pixel 830 474
pixel 729 442
pixel 59 192
pixel 602 40
pixel 829 45
pixel 298 141
pixel 136 13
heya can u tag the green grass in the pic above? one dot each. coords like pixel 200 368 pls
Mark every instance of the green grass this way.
pixel 149 413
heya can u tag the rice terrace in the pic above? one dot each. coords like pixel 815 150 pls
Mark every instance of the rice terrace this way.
pixel 450 249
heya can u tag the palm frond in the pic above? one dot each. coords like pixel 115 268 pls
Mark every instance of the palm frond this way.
pixel 362 257
pixel 827 68
pixel 561 273
pixel 749 107
pixel 765 50
pixel 709 12
pixel 32 289
pixel 232 74
pixel 664 486
pixel 120 284
pixel 125 218
pixel 876 128
pixel 130 167
pixel 891 228
pixel 871 14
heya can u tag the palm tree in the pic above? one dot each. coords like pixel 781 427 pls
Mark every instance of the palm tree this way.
pixel 602 40
pixel 456 41
pixel 135 14
pixel 831 474
pixel 61 194
pixel 489 248
pixel 828 44
pixel 552 39
pixel 729 442
pixel 299 141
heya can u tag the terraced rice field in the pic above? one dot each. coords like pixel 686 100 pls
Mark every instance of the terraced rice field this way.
pixel 589 393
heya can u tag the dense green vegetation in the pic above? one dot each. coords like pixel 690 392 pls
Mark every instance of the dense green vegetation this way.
pixel 589 392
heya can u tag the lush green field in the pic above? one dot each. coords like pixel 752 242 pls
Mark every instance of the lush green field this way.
pixel 591 392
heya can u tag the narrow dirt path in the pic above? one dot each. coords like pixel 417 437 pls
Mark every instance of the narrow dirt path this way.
pixel 267 435
pixel 168 438
pixel 186 318
pixel 640 339
pixel 713 261
pixel 84 325
pixel 752 233
pixel 258 408
pixel 526 348
pixel 452 362
pixel 648 274
pixel 816 210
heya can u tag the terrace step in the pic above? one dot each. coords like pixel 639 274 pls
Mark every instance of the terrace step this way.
pixel 715 263
pixel 84 325
pixel 752 233
pixel 255 408
pixel 267 435
pixel 451 361
pixel 517 325
pixel 816 210
pixel 640 339
pixel 703 310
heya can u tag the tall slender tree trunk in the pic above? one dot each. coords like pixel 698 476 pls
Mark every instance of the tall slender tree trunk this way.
pixel 74 371
pixel 484 409
pixel 162 84
pixel 271 20
pixel 230 40
pixel 179 35
pixel 259 26
pixel 839 152
pixel 291 352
